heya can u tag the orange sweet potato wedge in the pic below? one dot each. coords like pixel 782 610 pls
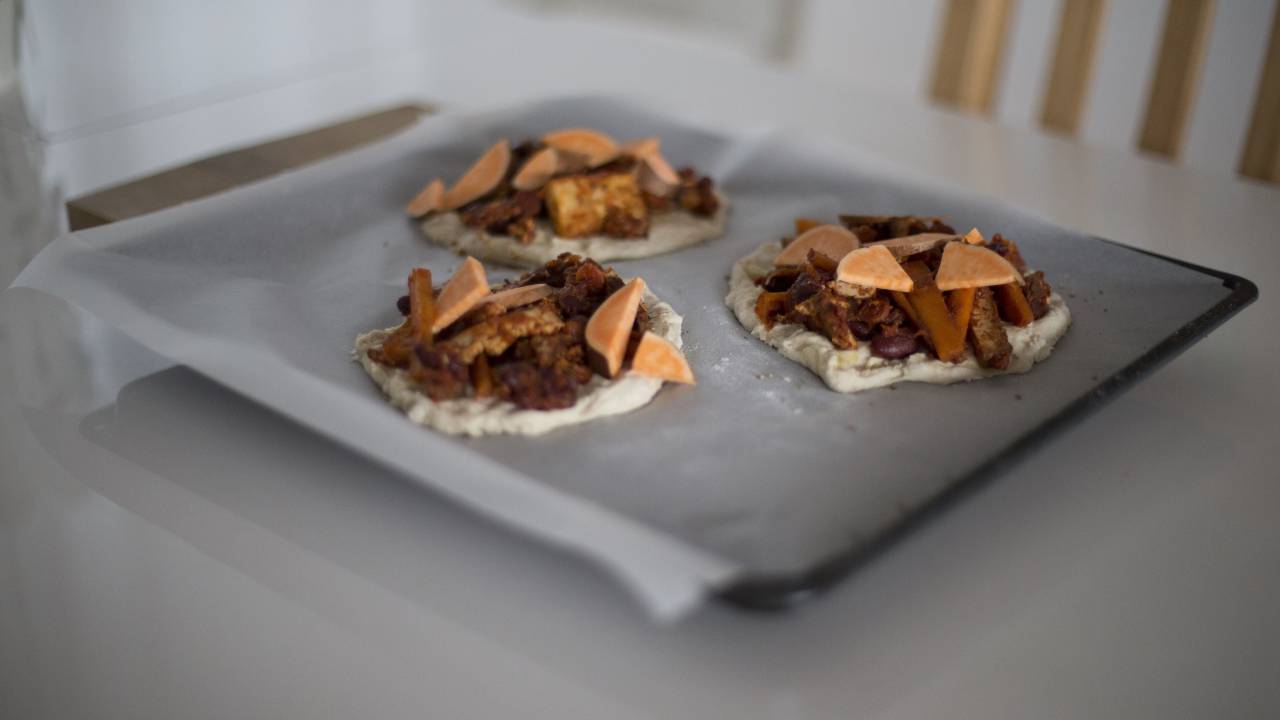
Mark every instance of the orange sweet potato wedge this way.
pixel 964 266
pixel 431 198
pixel 655 174
pixel 1013 305
pixel 933 316
pixel 518 296
pixel 460 294
pixel 640 148
pixel 973 237
pixel 609 328
pixel 537 170
pixel 874 266
pixel 657 358
pixel 908 245
pixel 833 241
pixel 595 147
pixel 422 306
pixel 769 305
pixel 960 303
pixel 481 178
pixel 804 225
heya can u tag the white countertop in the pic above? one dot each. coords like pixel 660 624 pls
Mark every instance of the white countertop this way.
pixel 168 549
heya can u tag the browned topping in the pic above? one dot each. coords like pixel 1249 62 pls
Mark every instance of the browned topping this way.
pixel 1037 291
pixel 898 323
pixel 695 193
pixel 1008 249
pixel 870 228
pixel 495 335
pixel 533 355
pixel 579 179
pixel 986 332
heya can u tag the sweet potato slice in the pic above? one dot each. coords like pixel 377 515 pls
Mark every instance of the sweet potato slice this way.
pixel 804 225
pixel 429 199
pixel 657 358
pixel 422 306
pixel 640 147
pixel 960 303
pixel 1013 304
pixel 874 266
pixel 831 240
pixel 964 265
pixel 481 178
pixel 594 147
pixel 986 332
pixel 537 170
pixel 517 296
pixel 908 245
pixel 460 294
pixel 934 318
pixel 609 328
pixel 973 237
pixel 769 305
pixel 655 175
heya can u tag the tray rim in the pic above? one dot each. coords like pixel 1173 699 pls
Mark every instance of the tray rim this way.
pixel 780 592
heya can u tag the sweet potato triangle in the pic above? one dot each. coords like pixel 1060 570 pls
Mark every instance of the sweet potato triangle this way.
pixel 655 175
pixel 609 328
pixel 964 265
pixel 874 266
pixel 429 199
pixel 481 178
pixel 831 240
pixel 460 294
pixel 657 358
pixel 537 170
pixel 640 147
pixel 912 244
pixel 594 147
pixel 517 296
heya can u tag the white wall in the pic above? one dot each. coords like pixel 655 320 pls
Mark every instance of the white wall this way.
pixel 98 65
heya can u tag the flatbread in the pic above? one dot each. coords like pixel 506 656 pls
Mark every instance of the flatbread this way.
pixel 668 231
pixel 857 369
pixel 598 398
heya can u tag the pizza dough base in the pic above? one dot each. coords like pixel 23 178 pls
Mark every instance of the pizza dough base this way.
pixel 668 231
pixel 854 370
pixel 467 416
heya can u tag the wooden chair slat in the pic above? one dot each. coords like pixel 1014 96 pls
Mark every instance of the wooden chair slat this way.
pixel 1261 156
pixel 1073 59
pixel 1177 73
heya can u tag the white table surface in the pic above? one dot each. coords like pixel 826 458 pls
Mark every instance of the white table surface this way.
pixel 170 550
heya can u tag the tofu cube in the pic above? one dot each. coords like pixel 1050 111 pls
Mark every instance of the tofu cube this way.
pixel 581 205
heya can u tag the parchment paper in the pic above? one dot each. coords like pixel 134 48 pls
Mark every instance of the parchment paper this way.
pixel 759 469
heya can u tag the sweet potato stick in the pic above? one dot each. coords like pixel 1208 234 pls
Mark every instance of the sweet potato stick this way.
pixel 805 224
pixel 768 306
pixel 1014 307
pixel 422 305
pixel 960 302
pixel 935 320
pixel 481 378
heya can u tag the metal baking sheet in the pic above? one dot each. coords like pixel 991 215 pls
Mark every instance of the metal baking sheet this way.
pixel 759 467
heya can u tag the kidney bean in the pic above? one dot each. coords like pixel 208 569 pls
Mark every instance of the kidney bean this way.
pixel 402 304
pixel 894 347
pixel 860 330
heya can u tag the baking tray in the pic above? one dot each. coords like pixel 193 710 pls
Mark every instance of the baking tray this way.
pixel 759 469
